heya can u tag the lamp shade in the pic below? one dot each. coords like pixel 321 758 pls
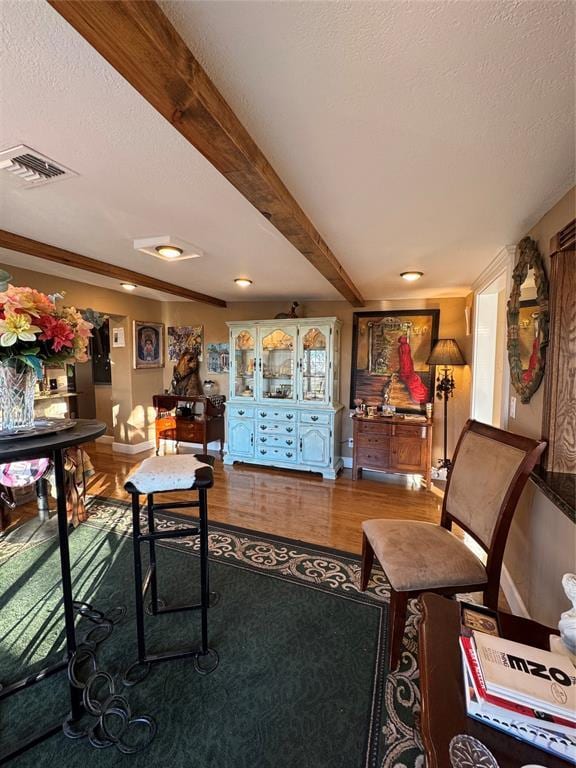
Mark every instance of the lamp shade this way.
pixel 446 352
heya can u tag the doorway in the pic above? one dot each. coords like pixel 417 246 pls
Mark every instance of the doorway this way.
pixel 490 373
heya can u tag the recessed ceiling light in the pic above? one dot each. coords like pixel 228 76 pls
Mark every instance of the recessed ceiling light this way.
pixel 243 282
pixel 411 276
pixel 169 251
pixel 129 286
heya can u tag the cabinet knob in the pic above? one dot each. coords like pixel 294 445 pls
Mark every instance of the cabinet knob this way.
pixel 289 442
pixel 263 439
pixel 241 413
pixel 262 426
pixel 263 414
pixel 314 418
pixel 289 429
pixel 289 415
pixel 263 451
pixel 289 454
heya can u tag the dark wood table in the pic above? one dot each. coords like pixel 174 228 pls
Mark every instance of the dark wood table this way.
pixel 442 687
pixel 52 446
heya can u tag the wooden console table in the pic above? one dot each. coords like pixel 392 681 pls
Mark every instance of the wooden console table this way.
pixel 392 444
pixel 194 428
pixel 442 694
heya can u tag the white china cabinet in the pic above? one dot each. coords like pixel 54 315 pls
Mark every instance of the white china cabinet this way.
pixel 284 408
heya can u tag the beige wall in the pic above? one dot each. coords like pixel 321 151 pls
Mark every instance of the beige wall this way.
pixel 452 324
pixel 130 416
pixel 542 542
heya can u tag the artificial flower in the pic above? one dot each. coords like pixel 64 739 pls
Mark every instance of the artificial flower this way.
pixel 17 327
pixel 56 330
pixel 27 300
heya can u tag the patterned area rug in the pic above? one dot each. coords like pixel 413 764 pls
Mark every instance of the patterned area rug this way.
pixel 393 737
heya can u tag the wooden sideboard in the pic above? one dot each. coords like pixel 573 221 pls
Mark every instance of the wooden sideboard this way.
pixel 392 444
pixel 193 428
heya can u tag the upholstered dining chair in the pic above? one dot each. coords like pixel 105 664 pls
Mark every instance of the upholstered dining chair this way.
pixel 489 471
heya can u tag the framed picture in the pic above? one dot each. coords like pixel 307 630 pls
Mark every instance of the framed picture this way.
pixel 184 337
pixel 389 353
pixel 218 356
pixel 148 345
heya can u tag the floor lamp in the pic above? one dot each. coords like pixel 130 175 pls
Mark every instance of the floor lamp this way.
pixel 445 353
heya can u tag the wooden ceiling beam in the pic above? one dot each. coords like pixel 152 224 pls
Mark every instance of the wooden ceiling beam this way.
pixel 139 41
pixel 23 244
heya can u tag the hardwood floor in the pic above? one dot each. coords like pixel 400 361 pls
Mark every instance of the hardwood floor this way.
pixel 296 505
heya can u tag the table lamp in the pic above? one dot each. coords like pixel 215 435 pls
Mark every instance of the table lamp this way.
pixel 447 354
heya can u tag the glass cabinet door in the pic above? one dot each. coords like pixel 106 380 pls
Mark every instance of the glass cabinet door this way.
pixel 278 363
pixel 243 348
pixel 314 346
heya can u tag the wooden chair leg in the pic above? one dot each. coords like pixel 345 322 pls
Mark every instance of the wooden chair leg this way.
pixel 396 624
pixel 367 560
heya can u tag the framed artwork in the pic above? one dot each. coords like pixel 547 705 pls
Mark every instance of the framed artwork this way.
pixel 148 345
pixel 389 353
pixel 184 337
pixel 218 357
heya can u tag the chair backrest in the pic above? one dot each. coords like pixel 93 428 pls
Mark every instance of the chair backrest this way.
pixel 490 469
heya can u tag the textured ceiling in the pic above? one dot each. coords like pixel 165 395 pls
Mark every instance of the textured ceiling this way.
pixel 415 135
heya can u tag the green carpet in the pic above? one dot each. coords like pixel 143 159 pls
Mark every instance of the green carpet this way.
pixel 300 682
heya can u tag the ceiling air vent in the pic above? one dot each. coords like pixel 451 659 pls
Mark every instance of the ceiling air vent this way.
pixel 30 168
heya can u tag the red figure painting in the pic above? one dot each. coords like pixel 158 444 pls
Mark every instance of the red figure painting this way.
pixel 408 376
pixel 527 375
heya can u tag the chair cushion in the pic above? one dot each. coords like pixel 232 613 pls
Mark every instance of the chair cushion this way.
pixel 418 556
pixel 178 472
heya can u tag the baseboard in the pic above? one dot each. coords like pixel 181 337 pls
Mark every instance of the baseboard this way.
pixel 347 461
pixel 132 449
pixel 512 595
pixel 105 439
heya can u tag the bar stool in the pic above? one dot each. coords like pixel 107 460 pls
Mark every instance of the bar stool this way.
pixel 164 474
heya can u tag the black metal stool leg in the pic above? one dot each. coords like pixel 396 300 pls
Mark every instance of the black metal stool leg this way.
pixel 204 586
pixel 152 548
pixel 138 578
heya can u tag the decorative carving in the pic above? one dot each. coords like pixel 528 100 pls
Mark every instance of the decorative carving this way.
pixel 527 380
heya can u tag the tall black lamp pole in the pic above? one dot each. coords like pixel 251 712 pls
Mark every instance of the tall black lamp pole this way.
pixel 445 353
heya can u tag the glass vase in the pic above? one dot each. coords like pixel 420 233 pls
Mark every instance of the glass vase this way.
pixel 17 388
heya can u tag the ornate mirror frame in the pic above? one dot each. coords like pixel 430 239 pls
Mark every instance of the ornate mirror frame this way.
pixel 529 258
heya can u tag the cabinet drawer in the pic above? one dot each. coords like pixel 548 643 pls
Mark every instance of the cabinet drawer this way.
pixel 270 453
pixel 410 430
pixel 276 413
pixel 373 457
pixel 374 442
pixel 241 412
pixel 373 427
pixel 189 431
pixel 314 418
pixel 276 428
pixel 276 441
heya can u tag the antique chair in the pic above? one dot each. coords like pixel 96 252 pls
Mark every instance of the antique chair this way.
pixel 489 471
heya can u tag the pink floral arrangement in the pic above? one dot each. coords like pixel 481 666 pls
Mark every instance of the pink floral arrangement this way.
pixel 33 330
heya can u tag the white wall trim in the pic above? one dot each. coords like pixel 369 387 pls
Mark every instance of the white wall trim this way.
pixel 502 262
pixel 515 601
pixel 347 461
pixel 132 449
pixel 105 439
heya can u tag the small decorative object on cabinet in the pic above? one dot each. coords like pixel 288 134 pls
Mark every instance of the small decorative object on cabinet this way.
pixel 176 419
pixel 392 444
pixel 284 406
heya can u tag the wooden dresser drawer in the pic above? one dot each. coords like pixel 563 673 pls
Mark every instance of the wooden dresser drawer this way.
pixel 378 442
pixel 373 457
pixel 189 431
pixel 410 430
pixel 373 427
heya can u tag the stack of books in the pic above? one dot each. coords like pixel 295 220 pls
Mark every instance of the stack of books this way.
pixel 523 691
